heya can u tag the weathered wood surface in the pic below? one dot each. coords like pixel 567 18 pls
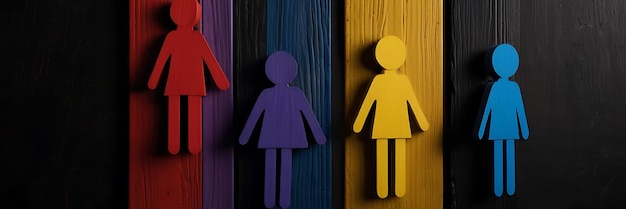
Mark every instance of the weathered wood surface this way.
pixel 301 28
pixel 473 28
pixel 571 74
pixel 419 24
pixel 64 101
pixel 156 178
pixel 571 53
pixel 249 78
pixel 218 160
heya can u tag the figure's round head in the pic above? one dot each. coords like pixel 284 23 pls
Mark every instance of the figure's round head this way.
pixel 185 13
pixel 281 68
pixel 390 52
pixel 504 61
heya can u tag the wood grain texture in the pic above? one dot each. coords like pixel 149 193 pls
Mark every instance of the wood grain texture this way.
pixel 156 179
pixel 419 25
pixel 217 109
pixel 302 28
pixel 337 96
pixel 474 28
pixel 307 39
pixel 249 62
pixel 572 71
pixel 67 73
pixel 64 95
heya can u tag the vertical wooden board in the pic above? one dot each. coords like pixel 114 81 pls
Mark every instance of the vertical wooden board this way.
pixel 474 27
pixel 217 110
pixel 156 178
pixel 302 28
pixel 64 108
pixel 572 79
pixel 307 39
pixel 249 64
pixel 419 25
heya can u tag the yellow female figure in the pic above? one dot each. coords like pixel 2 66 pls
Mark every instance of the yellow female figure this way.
pixel 393 95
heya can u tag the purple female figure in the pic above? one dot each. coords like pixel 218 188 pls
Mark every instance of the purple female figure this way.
pixel 283 109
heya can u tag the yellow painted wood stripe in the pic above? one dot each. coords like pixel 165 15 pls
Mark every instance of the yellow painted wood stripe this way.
pixel 419 25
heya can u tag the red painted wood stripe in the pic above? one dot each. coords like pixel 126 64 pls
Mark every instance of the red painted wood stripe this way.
pixel 156 178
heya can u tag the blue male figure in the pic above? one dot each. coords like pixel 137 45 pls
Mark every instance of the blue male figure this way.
pixel 502 101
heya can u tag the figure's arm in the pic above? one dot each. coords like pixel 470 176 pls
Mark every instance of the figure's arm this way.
pixel 254 116
pixel 365 108
pixel 214 67
pixel 521 113
pixel 309 116
pixel 164 54
pixel 484 111
pixel 420 118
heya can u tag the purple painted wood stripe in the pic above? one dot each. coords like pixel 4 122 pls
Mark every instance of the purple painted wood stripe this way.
pixel 217 111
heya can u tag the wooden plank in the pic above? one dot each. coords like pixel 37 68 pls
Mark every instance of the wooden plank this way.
pixel 338 120
pixel 572 79
pixel 470 161
pixel 419 25
pixel 156 178
pixel 249 64
pixel 217 110
pixel 307 39
pixel 64 108
pixel 302 28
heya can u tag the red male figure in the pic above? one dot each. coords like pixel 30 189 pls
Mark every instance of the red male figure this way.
pixel 188 51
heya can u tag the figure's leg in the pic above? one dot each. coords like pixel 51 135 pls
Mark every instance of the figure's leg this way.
pixel 195 124
pixel 497 168
pixel 173 118
pixel 285 178
pixel 510 166
pixel 382 167
pixel 400 167
pixel 270 178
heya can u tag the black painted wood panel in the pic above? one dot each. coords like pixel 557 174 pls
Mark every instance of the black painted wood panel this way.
pixel 471 28
pixel 250 45
pixel 571 73
pixel 64 96
pixel 571 55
